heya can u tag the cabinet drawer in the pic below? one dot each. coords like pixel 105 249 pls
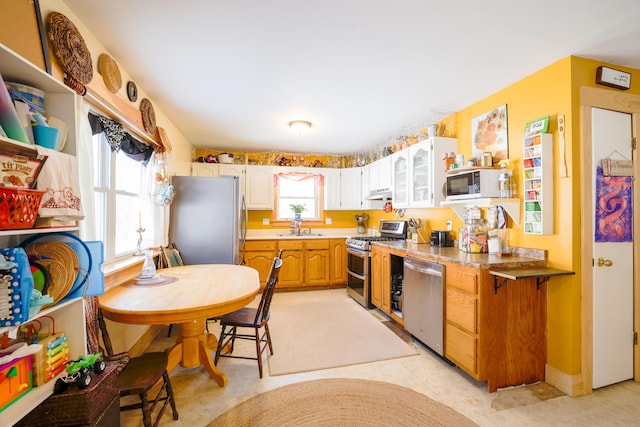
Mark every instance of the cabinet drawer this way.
pixel 317 244
pixel 461 348
pixel 461 279
pixel 292 245
pixel 260 245
pixel 462 310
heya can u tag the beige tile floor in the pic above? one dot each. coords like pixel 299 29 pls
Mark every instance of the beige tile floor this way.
pixel 200 400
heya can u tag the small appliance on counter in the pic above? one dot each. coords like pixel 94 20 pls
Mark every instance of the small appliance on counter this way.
pixel 441 238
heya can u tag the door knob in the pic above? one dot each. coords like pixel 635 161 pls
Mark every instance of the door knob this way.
pixel 604 262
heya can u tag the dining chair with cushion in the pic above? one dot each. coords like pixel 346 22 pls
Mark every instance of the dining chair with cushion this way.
pixel 136 375
pixel 170 257
pixel 255 318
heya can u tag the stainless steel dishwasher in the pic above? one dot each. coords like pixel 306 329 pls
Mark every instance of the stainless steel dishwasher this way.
pixel 423 300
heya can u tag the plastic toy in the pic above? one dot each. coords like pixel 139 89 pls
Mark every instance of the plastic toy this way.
pixel 79 372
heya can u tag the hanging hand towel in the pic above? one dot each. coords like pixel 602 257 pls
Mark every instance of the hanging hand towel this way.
pixel 59 179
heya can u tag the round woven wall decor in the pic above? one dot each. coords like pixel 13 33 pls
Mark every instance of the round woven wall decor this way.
pixel 148 116
pixel 69 48
pixel 110 72
pixel 164 140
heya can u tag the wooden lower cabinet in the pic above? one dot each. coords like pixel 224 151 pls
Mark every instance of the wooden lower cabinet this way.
pixel 305 263
pixel 498 337
pixel 292 270
pixel 259 254
pixel 381 278
pixel 337 262
pixel 316 262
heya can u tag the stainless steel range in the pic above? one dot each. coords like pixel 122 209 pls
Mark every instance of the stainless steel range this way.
pixel 359 259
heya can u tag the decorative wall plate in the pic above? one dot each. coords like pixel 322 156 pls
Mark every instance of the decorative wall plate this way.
pixel 110 72
pixel 148 116
pixel 132 91
pixel 164 140
pixel 69 48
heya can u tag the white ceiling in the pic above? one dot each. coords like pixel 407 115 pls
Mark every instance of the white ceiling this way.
pixel 231 74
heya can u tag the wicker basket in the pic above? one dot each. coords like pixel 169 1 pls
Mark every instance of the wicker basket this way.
pixel 19 207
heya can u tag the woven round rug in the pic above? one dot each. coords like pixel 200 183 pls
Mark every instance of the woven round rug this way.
pixel 69 48
pixel 341 401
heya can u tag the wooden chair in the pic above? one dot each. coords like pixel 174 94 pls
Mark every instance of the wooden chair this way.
pixel 136 375
pixel 170 257
pixel 249 317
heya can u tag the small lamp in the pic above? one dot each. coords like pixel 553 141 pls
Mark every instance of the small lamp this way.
pixel 300 126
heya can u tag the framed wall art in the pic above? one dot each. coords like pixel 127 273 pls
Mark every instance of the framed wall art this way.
pixel 489 134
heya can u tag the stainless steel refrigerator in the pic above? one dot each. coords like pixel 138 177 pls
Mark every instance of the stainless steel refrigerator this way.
pixel 208 221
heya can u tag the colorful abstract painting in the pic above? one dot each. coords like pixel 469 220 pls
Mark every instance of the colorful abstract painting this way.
pixel 614 208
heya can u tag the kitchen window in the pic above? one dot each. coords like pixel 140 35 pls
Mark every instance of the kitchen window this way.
pixel 299 189
pixel 119 202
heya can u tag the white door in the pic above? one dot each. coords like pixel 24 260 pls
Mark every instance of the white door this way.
pixel 612 253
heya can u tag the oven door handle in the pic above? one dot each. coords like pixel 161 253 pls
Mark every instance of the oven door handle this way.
pixel 357 252
pixel 359 276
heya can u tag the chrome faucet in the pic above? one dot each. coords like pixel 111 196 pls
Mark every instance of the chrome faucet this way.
pixel 296 225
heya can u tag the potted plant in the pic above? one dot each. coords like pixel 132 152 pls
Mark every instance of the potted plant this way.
pixel 297 210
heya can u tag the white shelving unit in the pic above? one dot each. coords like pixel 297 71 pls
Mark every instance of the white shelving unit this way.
pixel 60 101
pixel 538 184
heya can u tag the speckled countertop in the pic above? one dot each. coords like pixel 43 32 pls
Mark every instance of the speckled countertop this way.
pixel 315 233
pixel 520 257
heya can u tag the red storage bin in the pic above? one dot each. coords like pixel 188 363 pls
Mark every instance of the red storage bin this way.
pixel 19 207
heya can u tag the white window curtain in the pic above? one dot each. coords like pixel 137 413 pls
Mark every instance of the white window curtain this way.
pixel 84 152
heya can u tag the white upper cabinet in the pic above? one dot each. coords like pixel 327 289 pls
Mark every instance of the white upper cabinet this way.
pixel 351 188
pixel 204 169
pixel 259 187
pixel 331 187
pixel 400 179
pixel 427 174
pixel 380 175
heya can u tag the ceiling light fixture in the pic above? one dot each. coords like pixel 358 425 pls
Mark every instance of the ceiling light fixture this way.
pixel 300 126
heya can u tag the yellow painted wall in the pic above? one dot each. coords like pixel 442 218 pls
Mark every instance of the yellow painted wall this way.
pixel 551 91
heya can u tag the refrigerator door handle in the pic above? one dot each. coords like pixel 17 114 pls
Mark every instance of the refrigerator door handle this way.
pixel 243 228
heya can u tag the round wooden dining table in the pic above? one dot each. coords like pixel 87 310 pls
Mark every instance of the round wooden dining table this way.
pixel 188 296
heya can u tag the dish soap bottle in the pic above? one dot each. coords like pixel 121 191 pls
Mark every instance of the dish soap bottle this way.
pixel 149 267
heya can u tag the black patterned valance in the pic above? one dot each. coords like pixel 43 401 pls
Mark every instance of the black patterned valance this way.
pixel 119 139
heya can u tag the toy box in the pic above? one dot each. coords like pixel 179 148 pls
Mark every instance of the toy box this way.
pixel 15 381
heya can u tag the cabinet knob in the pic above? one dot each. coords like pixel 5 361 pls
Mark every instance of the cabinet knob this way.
pixel 604 262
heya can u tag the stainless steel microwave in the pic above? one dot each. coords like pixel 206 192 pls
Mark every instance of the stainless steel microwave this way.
pixel 471 184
